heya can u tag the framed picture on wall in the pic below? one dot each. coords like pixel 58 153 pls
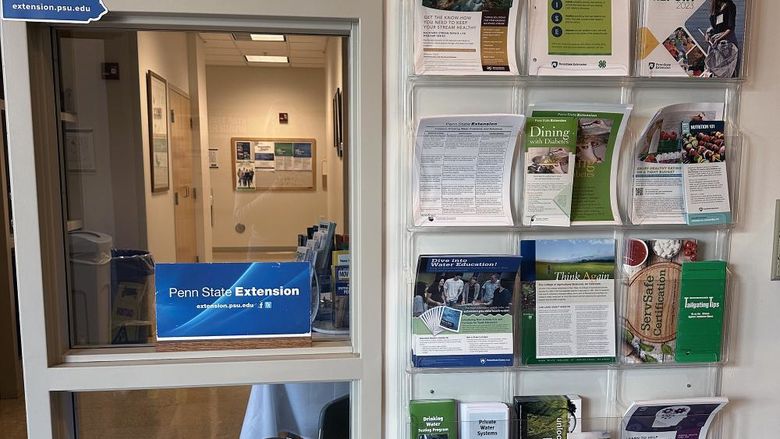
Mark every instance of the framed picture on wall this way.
pixel 157 89
pixel 335 121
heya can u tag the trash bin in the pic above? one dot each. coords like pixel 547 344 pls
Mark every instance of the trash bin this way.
pixel 90 258
pixel 132 287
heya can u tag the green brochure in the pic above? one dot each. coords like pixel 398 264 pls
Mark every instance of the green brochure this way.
pixel 702 299
pixel 435 419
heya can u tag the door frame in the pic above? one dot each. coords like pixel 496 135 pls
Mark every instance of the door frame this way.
pixel 195 158
pixel 52 370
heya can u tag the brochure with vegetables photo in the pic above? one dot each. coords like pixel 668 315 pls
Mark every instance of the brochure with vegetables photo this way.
pixel 549 162
pixel 568 301
pixel 658 195
pixel 705 178
pixel 462 311
pixel 465 37
pixel 671 419
pixel 579 37
pixel 695 38
pixel 652 269
pixel 599 137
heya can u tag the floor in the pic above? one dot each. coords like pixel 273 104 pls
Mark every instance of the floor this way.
pixel 12 420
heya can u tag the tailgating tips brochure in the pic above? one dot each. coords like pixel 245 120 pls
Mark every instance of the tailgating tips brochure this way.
pixel 549 164
pixel 599 137
pixel 671 419
pixel 658 195
pixel 568 300
pixel 692 38
pixel 462 311
pixel 463 170
pixel 579 37
pixel 465 37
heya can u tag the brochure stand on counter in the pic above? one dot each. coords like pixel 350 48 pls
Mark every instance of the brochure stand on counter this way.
pixel 644 368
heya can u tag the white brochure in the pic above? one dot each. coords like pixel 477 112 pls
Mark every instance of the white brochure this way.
pixel 463 170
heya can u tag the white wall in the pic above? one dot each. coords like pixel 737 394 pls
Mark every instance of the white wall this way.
pixel 165 53
pixel 245 102
pixel 750 380
pixel 335 164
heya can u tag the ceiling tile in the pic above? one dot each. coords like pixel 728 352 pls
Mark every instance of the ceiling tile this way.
pixel 261 45
pixel 220 44
pixel 213 36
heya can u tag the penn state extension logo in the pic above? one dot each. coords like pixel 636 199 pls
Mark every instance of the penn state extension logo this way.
pixel 651 65
pixel 482 361
pixel 555 64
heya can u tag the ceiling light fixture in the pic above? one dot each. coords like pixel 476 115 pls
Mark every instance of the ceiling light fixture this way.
pixel 266 37
pixel 267 58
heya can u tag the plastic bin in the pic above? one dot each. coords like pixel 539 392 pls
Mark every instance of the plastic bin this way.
pixel 132 286
pixel 90 257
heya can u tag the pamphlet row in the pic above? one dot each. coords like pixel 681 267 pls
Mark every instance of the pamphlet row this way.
pixel 559 302
pixel 682 168
pixel 560 416
pixel 691 38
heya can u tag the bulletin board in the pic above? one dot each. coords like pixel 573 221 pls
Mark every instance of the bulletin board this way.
pixel 273 164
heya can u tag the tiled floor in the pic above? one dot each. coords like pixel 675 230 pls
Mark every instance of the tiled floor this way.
pixel 12 421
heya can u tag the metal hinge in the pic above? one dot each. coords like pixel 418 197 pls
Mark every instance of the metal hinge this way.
pixel 176 198
pixel 192 124
pixel 173 116
pixel 194 193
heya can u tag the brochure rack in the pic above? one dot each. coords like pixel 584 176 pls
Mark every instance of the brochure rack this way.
pixel 607 389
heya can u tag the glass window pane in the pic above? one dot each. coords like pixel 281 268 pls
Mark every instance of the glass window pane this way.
pixel 306 410
pixel 185 147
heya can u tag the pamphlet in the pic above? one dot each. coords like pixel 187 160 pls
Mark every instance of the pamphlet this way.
pixel 462 311
pixel 704 173
pixel 548 416
pixel 568 301
pixel 702 303
pixel 484 420
pixel 579 37
pixel 463 170
pixel 434 419
pixel 658 196
pixel 549 162
pixel 653 270
pixel 694 38
pixel 465 37
pixel 671 419
pixel 599 137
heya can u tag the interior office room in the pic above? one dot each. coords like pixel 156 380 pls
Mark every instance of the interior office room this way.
pixel 325 219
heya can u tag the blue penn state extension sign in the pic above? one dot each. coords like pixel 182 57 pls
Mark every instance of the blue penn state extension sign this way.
pixel 233 301
pixel 54 11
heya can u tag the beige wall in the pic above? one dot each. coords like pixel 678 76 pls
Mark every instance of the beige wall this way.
pixel 245 102
pixel 750 379
pixel 334 165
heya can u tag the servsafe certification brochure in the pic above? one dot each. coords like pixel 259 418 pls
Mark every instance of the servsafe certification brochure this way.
pixel 463 169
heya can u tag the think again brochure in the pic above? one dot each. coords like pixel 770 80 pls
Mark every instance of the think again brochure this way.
pixel 549 163
pixel 668 419
pixel 694 38
pixel 462 311
pixel 568 301
pixel 599 137
pixel 579 37
pixel 465 37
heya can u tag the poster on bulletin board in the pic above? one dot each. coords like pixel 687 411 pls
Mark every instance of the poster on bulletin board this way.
pixel 273 164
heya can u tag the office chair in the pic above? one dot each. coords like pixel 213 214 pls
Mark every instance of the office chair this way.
pixel 334 421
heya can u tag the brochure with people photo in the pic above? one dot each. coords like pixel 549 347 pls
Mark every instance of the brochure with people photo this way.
pixel 462 311
pixel 671 419
pixel 695 38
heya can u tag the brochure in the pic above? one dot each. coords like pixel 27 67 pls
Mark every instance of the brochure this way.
pixel 653 270
pixel 658 196
pixel 463 170
pixel 549 416
pixel 695 38
pixel 465 37
pixel 462 311
pixel 568 301
pixel 671 419
pixel 484 420
pixel 599 137
pixel 579 37
pixel 705 180
pixel 434 419
pixel 702 303
pixel 550 144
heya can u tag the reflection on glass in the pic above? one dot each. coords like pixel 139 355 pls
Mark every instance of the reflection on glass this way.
pixel 305 410
pixel 154 175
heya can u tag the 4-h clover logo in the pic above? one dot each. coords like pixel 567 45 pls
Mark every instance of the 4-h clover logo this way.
pixel 602 64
